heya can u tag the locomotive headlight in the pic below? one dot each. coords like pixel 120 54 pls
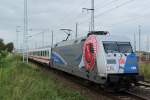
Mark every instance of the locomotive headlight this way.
pixel 110 67
pixel 110 64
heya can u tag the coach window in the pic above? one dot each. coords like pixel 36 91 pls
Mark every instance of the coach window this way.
pixel 37 53
pixel 44 53
pixel 41 53
pixel 47 53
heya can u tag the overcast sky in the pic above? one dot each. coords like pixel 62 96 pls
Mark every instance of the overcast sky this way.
pixel 119 17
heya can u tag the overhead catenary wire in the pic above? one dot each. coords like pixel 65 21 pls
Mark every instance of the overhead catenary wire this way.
pixel 107 11
pixel 129 20
pixel 80 15
pixel 72 9
pixel 105 4
pixel 114 8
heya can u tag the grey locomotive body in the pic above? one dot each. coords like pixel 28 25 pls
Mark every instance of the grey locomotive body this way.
pixel 102 59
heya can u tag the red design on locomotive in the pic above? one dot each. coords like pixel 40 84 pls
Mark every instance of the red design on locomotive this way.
pixel 89 52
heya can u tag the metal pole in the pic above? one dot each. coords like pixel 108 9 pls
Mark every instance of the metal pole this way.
pixel 17 33
pixel 89 27
pixel 52 39
pixel 76 31
pixel 25 37
pixel 134 42
pixel 23 52
pixel 92 15
pixel 147 44
pixel 42 39
pixel 139 37
pixel 139 43
pixel 52 48
pixel 92 9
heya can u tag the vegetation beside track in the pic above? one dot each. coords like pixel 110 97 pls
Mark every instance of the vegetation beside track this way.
pixel 145 70
pixel 19 81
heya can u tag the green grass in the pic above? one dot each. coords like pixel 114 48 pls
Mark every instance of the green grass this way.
pixel 20 81
pixel 145 70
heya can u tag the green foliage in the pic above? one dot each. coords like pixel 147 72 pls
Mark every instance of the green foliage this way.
pixel 9 47
pixel 20 81
pixel 2 45
pixel 3 55
pixel 6 47
pixel 145 70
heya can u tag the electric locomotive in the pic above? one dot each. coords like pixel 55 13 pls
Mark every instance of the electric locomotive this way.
pixel 99 57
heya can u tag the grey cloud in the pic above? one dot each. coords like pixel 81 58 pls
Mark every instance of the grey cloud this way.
pixel 56 14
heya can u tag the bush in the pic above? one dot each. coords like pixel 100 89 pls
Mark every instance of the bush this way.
pixel 145 71
pixel 3 56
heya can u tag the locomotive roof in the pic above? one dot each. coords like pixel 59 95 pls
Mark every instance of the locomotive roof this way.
pixel 114 38
pixel 100 37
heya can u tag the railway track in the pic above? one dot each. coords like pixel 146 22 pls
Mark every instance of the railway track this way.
pixel 133 94
pixel 142 90
pixel 144 83
pixel 140 97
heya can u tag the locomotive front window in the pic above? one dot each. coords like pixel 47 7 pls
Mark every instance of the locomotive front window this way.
pixel 124 47
pixel 117 47
pixel 110 47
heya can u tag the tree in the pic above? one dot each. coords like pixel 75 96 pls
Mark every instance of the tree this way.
pixel 6 47
pixel 9 47
pixel 2 45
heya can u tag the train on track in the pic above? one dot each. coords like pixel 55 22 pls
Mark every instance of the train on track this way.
pixel 99 57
